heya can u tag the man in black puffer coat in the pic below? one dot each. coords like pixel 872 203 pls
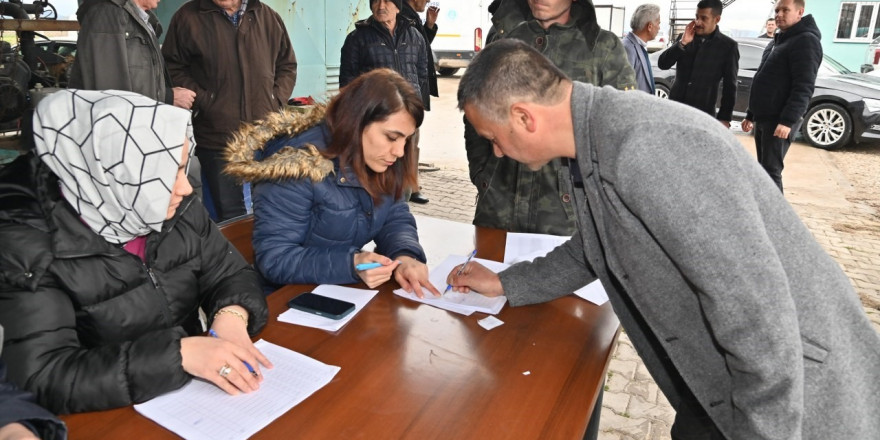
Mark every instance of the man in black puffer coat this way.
pixel 783 85
pixel 389 39
pixel 385 39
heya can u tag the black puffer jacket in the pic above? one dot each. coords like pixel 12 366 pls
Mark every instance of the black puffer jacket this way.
pixel 90 326
pixel 428 35
pixel 784 83
pixel 370 46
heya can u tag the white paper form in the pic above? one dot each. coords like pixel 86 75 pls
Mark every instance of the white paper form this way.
pixel 464 303
pixel 358 297
pixel 201 411
pixel 527 247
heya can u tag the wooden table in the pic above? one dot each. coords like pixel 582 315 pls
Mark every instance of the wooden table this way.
pixel 414 371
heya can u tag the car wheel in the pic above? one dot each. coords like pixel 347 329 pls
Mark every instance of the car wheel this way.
pixel 827 126
pixel 661 91
pixel 447 71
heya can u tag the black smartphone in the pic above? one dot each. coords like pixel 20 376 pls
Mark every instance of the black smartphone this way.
pixel 321 305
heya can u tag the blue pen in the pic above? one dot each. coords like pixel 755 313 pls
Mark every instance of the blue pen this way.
pixel 367 266
pixel 249 367
pixel 461 269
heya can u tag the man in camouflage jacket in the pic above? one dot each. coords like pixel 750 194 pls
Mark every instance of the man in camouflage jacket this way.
pixel 510 196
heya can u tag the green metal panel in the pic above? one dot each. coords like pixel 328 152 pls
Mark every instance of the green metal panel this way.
pixel 317 29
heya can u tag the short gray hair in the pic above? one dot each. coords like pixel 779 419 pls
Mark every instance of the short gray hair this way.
pixel 643 15
pixel 509 71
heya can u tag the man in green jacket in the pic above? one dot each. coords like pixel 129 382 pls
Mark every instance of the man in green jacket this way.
pixel 511 197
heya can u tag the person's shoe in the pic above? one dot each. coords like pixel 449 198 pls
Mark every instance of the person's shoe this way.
pixel 417 197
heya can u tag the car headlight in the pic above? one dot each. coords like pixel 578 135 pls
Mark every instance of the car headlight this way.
pixel 873 105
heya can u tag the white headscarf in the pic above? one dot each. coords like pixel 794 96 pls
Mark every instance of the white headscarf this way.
pixel 116 154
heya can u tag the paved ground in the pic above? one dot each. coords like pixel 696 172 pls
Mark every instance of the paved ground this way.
pixel 834 194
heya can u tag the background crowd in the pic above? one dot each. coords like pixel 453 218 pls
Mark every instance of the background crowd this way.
pixel 325 182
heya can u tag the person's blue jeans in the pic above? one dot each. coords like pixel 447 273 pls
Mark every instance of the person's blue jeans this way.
pixel 222 194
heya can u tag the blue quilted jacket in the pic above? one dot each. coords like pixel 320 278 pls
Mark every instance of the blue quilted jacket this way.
pixel 310 216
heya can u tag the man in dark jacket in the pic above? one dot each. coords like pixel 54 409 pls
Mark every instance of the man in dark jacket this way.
pixel 770 29
pixel 385 39
pixel 703 56
pixel 389 39
pixel 512 197
pixel 118 48
pixel 237 57
pixel 783 85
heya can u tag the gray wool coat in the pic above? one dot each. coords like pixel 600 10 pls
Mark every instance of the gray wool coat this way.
pixel 721 288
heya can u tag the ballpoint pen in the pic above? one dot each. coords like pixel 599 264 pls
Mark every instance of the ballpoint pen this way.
pixel 461 269
pixel 368 266
pixel 249 367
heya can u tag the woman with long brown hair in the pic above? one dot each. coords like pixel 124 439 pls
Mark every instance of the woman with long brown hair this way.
pixel 327 182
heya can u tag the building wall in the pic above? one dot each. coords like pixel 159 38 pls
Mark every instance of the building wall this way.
pixel 849 51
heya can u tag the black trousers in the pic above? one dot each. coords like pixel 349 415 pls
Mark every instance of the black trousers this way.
pixel 692 422
pixel 771 150
pixel 223 196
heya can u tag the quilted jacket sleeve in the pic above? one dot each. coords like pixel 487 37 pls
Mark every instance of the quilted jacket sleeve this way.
pixel 280 232
pixel 18 406
pixel 226 278
pixel 349 62
pixel 398 235
pixel 44 355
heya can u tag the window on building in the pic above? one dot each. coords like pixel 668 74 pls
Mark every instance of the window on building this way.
pixel 858 21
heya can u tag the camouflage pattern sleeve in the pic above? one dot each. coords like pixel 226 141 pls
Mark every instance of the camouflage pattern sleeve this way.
pixel 616 70
pixel 479 149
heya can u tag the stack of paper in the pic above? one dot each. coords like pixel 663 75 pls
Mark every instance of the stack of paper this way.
pixel 464 303
pixel 527 247
pixel 200 410
pixel 358 297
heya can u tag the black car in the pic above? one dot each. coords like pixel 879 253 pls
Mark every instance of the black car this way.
pixel 845 106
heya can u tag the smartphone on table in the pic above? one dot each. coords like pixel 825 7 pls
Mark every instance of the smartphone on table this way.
pixel 321 305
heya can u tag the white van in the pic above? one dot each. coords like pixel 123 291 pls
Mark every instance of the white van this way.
pixel 462 27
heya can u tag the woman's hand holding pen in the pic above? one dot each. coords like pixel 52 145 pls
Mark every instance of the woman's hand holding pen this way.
pixel 475 277
pixel 229 351
pixel 412 275
pixel 378 275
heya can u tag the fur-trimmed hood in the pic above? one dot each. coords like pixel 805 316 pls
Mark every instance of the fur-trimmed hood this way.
pixel 263 151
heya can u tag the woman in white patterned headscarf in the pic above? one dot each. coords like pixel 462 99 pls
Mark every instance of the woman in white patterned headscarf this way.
pixel 107 260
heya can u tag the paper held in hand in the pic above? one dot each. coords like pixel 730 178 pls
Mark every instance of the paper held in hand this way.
pixel 464 303
pixel 202 411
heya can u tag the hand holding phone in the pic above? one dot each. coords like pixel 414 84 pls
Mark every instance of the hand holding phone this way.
pixel 432 13
pixel 321 305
